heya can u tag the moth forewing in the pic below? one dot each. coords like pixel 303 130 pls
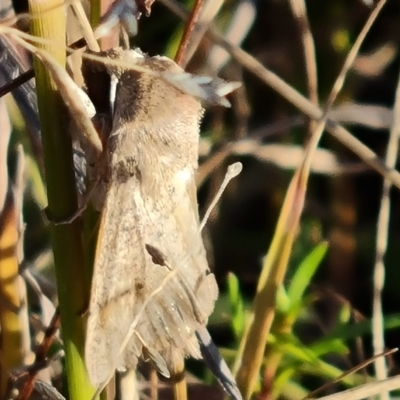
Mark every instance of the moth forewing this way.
pixel 150 199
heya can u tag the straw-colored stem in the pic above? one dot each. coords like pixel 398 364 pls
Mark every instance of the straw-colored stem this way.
pixel 381 246
pixel 276 261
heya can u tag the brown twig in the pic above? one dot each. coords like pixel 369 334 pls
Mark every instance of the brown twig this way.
pixel 86 29
pixel 300 13
pixel 19 80
pixel 366 391
pixel 29 74
pixel 41 354
pixel 349 372
pixel 190 24
pixel 208 13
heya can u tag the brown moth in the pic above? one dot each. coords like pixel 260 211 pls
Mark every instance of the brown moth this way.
pixel 152 288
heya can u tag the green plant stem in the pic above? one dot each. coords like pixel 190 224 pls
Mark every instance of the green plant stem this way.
pixel 48 21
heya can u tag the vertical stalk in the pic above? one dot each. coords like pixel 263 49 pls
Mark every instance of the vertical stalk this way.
pixel 49 21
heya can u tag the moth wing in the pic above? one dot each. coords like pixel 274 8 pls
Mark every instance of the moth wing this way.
pixel 119 264
pixel 187 299
pixel 194 269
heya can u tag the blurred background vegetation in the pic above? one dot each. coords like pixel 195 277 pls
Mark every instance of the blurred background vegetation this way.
pixel 322 326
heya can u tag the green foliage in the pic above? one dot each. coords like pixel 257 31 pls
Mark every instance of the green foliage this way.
pixel 295 303
pixel 300 353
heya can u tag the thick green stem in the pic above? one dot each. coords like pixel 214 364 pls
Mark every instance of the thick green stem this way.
pixel 49 21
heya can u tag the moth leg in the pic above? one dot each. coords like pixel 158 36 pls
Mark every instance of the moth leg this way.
pixel 77 213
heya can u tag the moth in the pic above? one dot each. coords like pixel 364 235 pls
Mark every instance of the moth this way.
pixel 152 288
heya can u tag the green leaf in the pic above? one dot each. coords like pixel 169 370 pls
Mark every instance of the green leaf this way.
pixel 305 272
pixel 347 332
pixel 335 346
pixel 282 301
pixel 236 300
pixel 281 380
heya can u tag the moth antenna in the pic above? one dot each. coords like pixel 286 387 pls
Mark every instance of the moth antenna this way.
pixel 232 172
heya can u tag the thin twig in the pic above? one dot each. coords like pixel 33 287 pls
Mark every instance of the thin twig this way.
pixel 190 24
pixel 4 141
pixel 86 29
pixel 18 81
pixel 300 13
pixel 353 370
pixel 41 355
pixel 207 15
pixel 381 245
pixel 294 97
pixel 254 341
pixel 240 24
pixel 153 384
pixel 337 86
pixel 352 55
pixel 367 390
